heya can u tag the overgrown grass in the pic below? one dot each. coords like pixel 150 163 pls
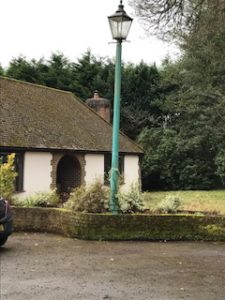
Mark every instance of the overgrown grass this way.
pixel 208 201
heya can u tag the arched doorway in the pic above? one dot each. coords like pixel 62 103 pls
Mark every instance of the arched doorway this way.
pixel 68 174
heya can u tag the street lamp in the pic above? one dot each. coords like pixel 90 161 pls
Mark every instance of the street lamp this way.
pixel 120 24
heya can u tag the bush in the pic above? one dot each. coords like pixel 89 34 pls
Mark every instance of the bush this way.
pixel 40 199
pixel 131 201
pixel 7 177
pixel 90 199
pixel 169 204
pixel 95 199
pixel 220 164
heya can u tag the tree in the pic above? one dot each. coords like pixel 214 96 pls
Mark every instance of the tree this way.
pixel 20 68
pixel 141 104
pixel 194 110
pixel 92 74
pixel 2 72
pixel 166 18
pixel 174 161
pixel 57 73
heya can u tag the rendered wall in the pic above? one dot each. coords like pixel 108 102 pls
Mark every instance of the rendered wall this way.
pixel 37 172
pixel 94 168
pixel 38 168
pixel 131 170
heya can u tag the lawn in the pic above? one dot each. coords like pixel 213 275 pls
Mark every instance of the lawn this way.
pixel 208 201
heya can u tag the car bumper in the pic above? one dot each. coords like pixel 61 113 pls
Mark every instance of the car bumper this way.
pixel 6 228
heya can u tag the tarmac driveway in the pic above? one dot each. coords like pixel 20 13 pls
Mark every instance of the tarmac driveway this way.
pixel 51 267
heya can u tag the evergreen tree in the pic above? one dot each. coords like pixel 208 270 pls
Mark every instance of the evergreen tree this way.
pixel 194 110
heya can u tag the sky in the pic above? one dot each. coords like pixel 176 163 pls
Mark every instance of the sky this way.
pixel 38 28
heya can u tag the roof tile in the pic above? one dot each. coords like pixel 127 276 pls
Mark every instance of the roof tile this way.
pixel 34 116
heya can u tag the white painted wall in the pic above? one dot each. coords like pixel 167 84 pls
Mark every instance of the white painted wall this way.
pixel 131 170
pixel 37 172
pixel 94 168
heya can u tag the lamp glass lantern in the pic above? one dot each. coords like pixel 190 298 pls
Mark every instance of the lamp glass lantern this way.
pixel 120 23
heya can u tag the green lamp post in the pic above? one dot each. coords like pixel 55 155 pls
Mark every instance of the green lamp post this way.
pixel 120 24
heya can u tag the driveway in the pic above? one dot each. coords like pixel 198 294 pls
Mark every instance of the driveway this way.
pixel 51 267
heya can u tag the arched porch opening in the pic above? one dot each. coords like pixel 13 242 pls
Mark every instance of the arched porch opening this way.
pixel 68 174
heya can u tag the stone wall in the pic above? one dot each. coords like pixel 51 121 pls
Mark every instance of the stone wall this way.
pixel 121 227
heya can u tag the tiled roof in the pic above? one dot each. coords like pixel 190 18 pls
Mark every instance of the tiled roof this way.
pixel 34 116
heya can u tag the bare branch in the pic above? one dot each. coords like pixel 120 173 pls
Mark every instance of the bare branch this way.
pixel 166 18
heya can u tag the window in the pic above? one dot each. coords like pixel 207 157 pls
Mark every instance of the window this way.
pixel 19 161
pixel 107 167
pixel 3 157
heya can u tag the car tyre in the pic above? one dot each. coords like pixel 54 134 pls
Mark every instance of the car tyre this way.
pixel 3 240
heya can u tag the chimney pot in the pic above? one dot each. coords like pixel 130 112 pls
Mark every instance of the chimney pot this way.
pixel 96 95
pixel 100 105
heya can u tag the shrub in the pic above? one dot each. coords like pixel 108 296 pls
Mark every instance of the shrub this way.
pixel 91 199
pixel 95 199
pixel 7 177
pixel 220 164
pixel 169 204
pixel 40 199
pixel 131 201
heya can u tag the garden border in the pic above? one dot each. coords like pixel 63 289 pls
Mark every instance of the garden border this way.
pixel 119 227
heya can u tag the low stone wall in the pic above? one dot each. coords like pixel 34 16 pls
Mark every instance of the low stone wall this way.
pixel 121 227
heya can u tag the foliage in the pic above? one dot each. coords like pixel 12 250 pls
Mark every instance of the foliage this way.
pixel 220 164
pixel 92 74
pixel 169 204
pixel 7 177
pixel 185 151
pixel 166 18
pixel 81 78
pixel 39 199
pixel 141 102
pixel 56 73
pixel 176 160
pixel 20 68
pixel 130 201
pixel 1 71
pixel 93 198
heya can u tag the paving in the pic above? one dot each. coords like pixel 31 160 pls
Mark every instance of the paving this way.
pixel 50 267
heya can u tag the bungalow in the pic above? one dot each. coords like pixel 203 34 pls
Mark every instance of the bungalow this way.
pixel 59 141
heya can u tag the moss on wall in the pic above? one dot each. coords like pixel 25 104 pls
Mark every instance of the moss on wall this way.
pixel 121 227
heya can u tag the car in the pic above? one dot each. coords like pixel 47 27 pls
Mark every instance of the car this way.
pixel 6 223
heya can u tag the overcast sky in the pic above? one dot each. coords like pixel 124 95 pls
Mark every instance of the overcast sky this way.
pixel 36 28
